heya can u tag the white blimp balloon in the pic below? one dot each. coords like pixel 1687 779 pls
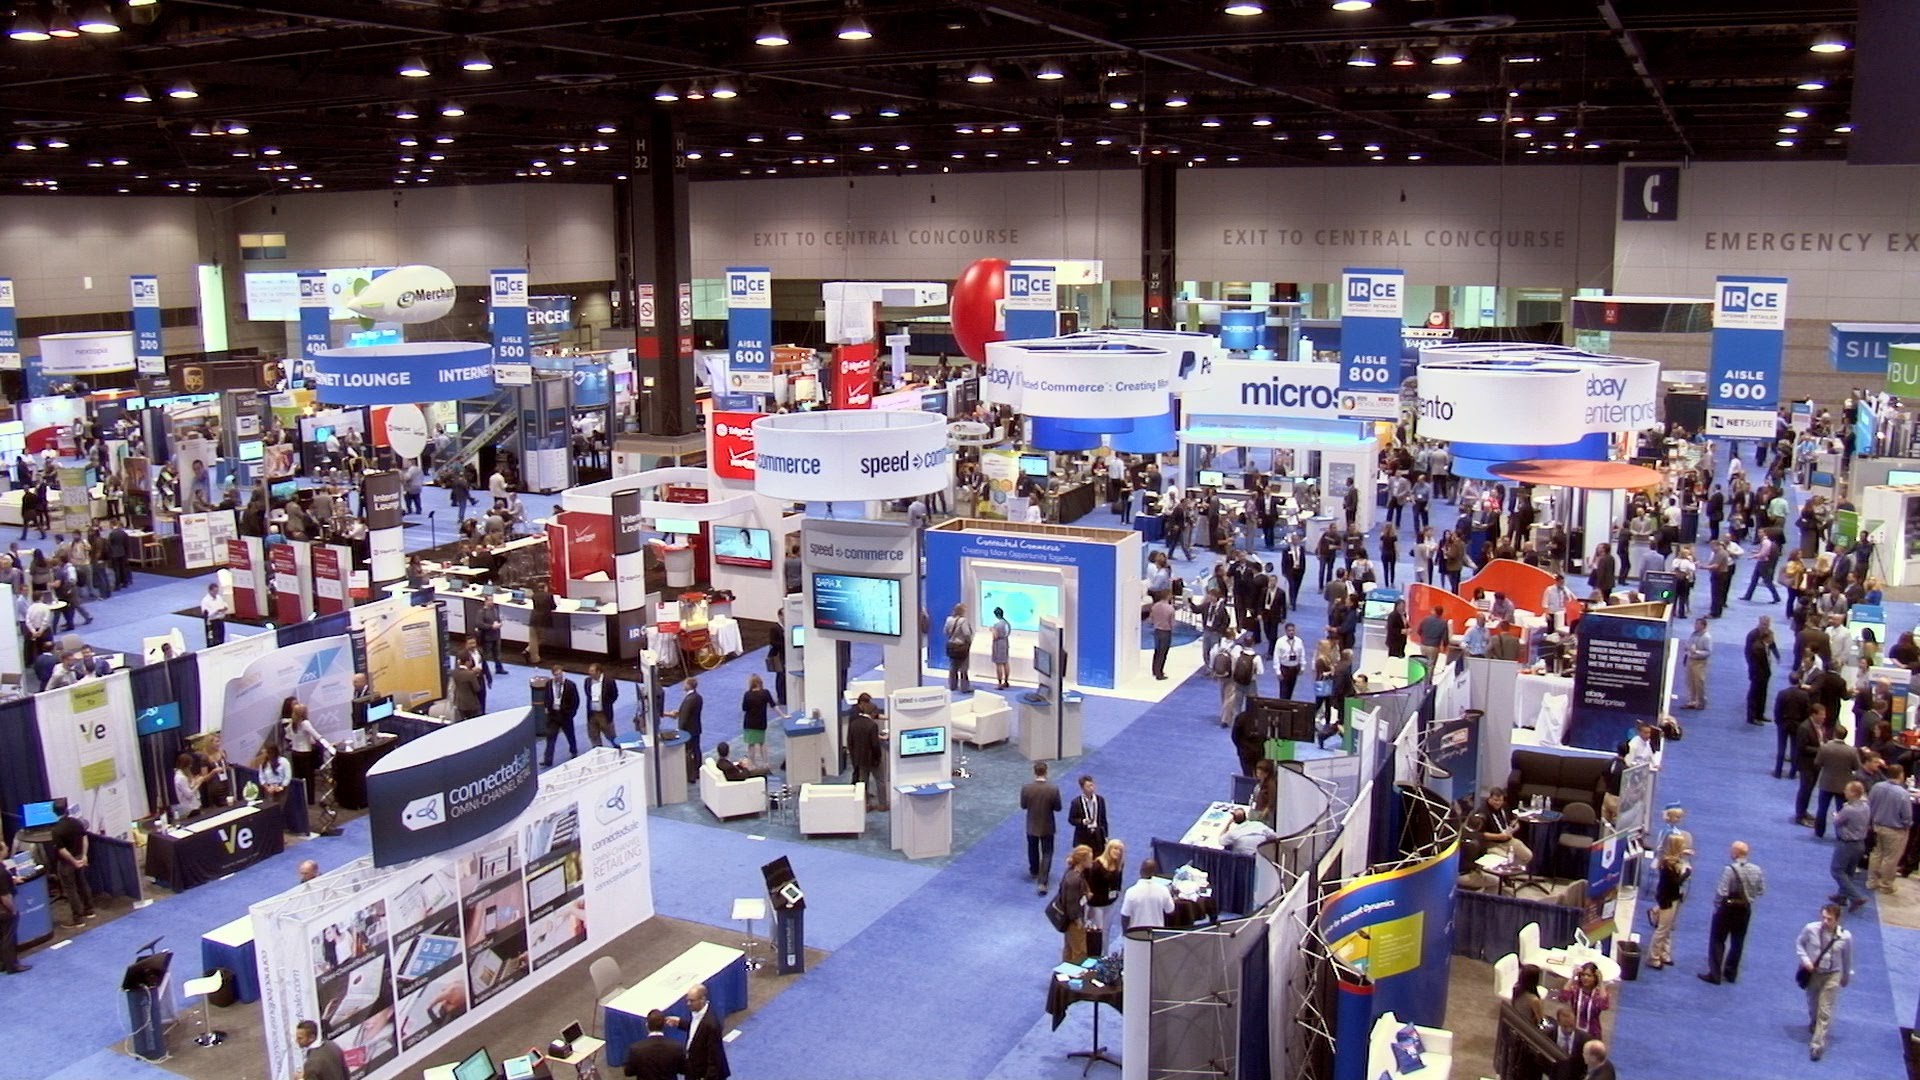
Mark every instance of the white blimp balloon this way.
pixel 405 294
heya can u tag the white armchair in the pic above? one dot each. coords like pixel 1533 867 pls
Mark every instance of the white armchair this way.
pixel 833 808
pixel 731 798
pixel 982 720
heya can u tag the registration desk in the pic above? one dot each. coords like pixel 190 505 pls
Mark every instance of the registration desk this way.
pixel 722 970
pixel 574 625
pixel 215 846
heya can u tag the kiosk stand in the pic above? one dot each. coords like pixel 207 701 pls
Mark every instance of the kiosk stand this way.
pixel 789 906
pixel 145 985
pixel 1050 716
pixel 921 754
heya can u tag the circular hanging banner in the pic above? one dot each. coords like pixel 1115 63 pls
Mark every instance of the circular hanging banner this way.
pixel 1538 395
pixel 1076 380
pixel 402 374
pixel 850 455
pixel 89 352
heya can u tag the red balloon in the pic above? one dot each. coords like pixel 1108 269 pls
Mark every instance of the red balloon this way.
pixel 973 300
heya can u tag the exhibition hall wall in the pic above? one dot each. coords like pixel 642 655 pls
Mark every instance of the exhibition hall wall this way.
pixel 71 255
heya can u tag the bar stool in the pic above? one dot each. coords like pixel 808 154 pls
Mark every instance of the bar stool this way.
pixel 203 988
pixel 749 910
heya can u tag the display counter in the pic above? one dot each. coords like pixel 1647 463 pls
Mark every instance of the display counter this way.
pixel 577 626
pixel 1073 502
pixel 215 846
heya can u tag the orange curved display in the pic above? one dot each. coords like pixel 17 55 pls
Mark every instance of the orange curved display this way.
pixel 1523 584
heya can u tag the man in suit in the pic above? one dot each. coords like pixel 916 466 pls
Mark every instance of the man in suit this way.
pixel 324 1061
pixel 1293 567
pixel 656 1057
pixel 1565 1031
pixel 1088 816
pixel 688 717
pixel 119 554
pixel 602 691
pixel 865 751
pixel 1041 800
pixel 563 704
pixel 706 1043
pixel 1273 607
pixel 1594 1055
pixel 466 690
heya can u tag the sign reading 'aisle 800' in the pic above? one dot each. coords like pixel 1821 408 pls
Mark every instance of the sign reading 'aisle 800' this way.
pixel 1373 304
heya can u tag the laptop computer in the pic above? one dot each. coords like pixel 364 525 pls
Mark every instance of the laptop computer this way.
pixel 518 1068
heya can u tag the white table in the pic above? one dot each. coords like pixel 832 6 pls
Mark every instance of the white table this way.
pixel 725 633
pixel 1564 962
pixel 722 970
pixel 1212 825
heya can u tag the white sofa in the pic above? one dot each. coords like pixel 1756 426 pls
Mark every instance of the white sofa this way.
pixel 731 798
pixel 983 719
pixel 833 808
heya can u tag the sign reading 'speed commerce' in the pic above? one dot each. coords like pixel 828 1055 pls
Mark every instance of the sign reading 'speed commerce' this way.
pixel 850 456
pixel 452 786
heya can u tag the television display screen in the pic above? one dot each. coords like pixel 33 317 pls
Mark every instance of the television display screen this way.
pixel 322 434
pixel 253 450
pixel 742 547
pixel 681 526
pixel 478 1066
pixel 283 491
pixel 38 815
pixel 157 718
pixel 1376 609
pixel 134 404
pixel 1033 464
pixel 379 710
pixel 797 637
pixel 1025 604
pixel 922 741
pixel 1043 663
pixel 856 604
pixel 1212 478
pixel 1899 477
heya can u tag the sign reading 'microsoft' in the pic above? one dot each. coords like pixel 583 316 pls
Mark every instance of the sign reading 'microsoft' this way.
pixel 452 786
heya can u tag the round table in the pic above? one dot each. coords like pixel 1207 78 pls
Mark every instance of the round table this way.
pixel 1564 962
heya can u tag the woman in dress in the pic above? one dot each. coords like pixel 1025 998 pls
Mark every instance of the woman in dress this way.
pixel 1389 553
pixel 1002 648
pixel 1073 900
pixel 754 705
pixel 1670 888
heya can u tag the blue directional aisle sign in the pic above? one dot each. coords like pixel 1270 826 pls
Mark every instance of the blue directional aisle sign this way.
pixel 1749 336
pixel 507 311
pixel 1373 306
pixel 9 328
pixel 1031 310
pixel 750 329
pixel 149 359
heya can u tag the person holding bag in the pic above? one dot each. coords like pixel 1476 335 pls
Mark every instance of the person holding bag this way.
pixel 1825 951
pixel 959 634
pixel 1068 909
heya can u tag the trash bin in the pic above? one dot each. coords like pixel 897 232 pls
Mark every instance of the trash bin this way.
pixel 227 994
pixel 1627 953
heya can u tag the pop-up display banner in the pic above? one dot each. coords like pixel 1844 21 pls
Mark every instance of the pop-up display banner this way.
pixel 245 561
pixel 88 352
pixel 451 786
pixel 853 375
pixel 1619 680
pixel 1749 337
pixel 394 374
pixel 9 328
pixel 1372 310
pixel 1391 935
pixel 1067 380
pixel 852 456
pixel 147 353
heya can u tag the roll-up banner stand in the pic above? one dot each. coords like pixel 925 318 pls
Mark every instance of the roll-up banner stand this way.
pixel 1391 936
pixel 1373 307
pixel 332 573
pixel 749 329
pixel 508 314
pixel 853 375
pixel 245 561
pixel 315 334
pixel 288 606
pixel 1031 310
pixel 148 357
pixel 629 581
pixel 385 550
pixel 1749 335
pixel 1619 679
pixel 9 328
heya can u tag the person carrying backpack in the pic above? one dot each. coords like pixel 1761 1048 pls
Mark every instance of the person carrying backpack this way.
pixel 1243 665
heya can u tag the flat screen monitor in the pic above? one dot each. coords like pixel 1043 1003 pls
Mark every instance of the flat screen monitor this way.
pixel 322 434
pixel 1212 478
pixel 157 718
pixel 1025 603
pixel 1284 719
pixel 1899 477
pixel 1374 610
pixel 743 547
pixel 451 427
pixel 679 526
pixel 478 1066
pixel 133 404
pixel 38 815
pixel 923 741
pixel 253 450
pixel 1043 663
pixel 379 710
pixel 1033 464
pixel 797 637
pixel 856 604
pixel 283 491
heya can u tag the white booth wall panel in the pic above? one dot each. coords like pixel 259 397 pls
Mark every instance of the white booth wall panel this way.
pixel 1436 224
pixel 833 228
pixel 561 233
pixel 51 244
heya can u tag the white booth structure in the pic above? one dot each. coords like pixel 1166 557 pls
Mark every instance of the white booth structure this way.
pixel 920 759
pixel 1890 514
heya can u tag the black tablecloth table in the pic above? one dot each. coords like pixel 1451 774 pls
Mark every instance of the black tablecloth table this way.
pixel 1073 502
pixel 181 862
pixel 350 767
pixel 1061 995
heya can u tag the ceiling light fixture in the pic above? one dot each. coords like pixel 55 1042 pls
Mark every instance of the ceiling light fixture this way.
pixel 28 27
pixel 794 136
pixel 1798 114
pixel 1439 95
pixel 1812 84
pixel 840 114
pixel 235 127
pixel 1447 54
pixel 270 151
pixel 1353 5
pixel 756 137
pixel 1488 118
pixel 1783 142
pixel 1362 57
pixel 854 28
pixel 772 35
pixel 182 91
pixel 199 131
pixel 1325 136
pixel 453 109
pixel 138 94
pixel 695 92
pixel 476 59
pixel 1010 129
pixel 606 129
pixel 1245 8
pixel 61 25
pixel 97 19
pixel 1118 104
pixel 1210 122
pixel 1403 57
pixel 980 75
pixel 415 67
pixel 666 93
pixel 1829 41
pixel 1789 129
pixel 1843 129
pixel 1176 100
pixel 1263 121
pixel 890 111
pixel 406 112
pixel 1049 71
pixel 25 144
pixel 723 90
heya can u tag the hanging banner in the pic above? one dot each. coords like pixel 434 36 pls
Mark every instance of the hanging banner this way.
pixel 1001 470
pixel 91 752
pixel 147 353
pixel 749 323
pixel 1903 371
pixel 851 456
pixel 1391 939
pixel 1373 308
pixel 244 562
pixel 1619 678
pixel 415 373
pixel 315 333
pixel 1031 308
pixel 1749 336
pixel 508 314
pixel 547 316
pixel 451 786
pixel 1861 348
pixel 733 446
pixel 9 328
pixel 86 352
pixel 853 375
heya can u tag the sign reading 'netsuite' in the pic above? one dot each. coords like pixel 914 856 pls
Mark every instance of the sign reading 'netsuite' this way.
pixel 452 786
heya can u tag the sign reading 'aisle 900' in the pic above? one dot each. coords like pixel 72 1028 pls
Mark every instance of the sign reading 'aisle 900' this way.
pixel 1373 303
pixel 1749 335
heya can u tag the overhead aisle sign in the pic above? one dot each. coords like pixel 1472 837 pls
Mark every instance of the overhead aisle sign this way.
pixel 1031 309
pixel 508 313
pixel 9 328
pixel 147 354
pixel 1749 335
pixel 1373 306
pixel 749 328
pixel 315 334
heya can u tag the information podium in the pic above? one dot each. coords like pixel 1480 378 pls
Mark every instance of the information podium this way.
pixel 789 906
pixel 148 1006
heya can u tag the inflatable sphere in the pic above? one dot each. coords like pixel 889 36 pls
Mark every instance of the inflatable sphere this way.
pixel 976 296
